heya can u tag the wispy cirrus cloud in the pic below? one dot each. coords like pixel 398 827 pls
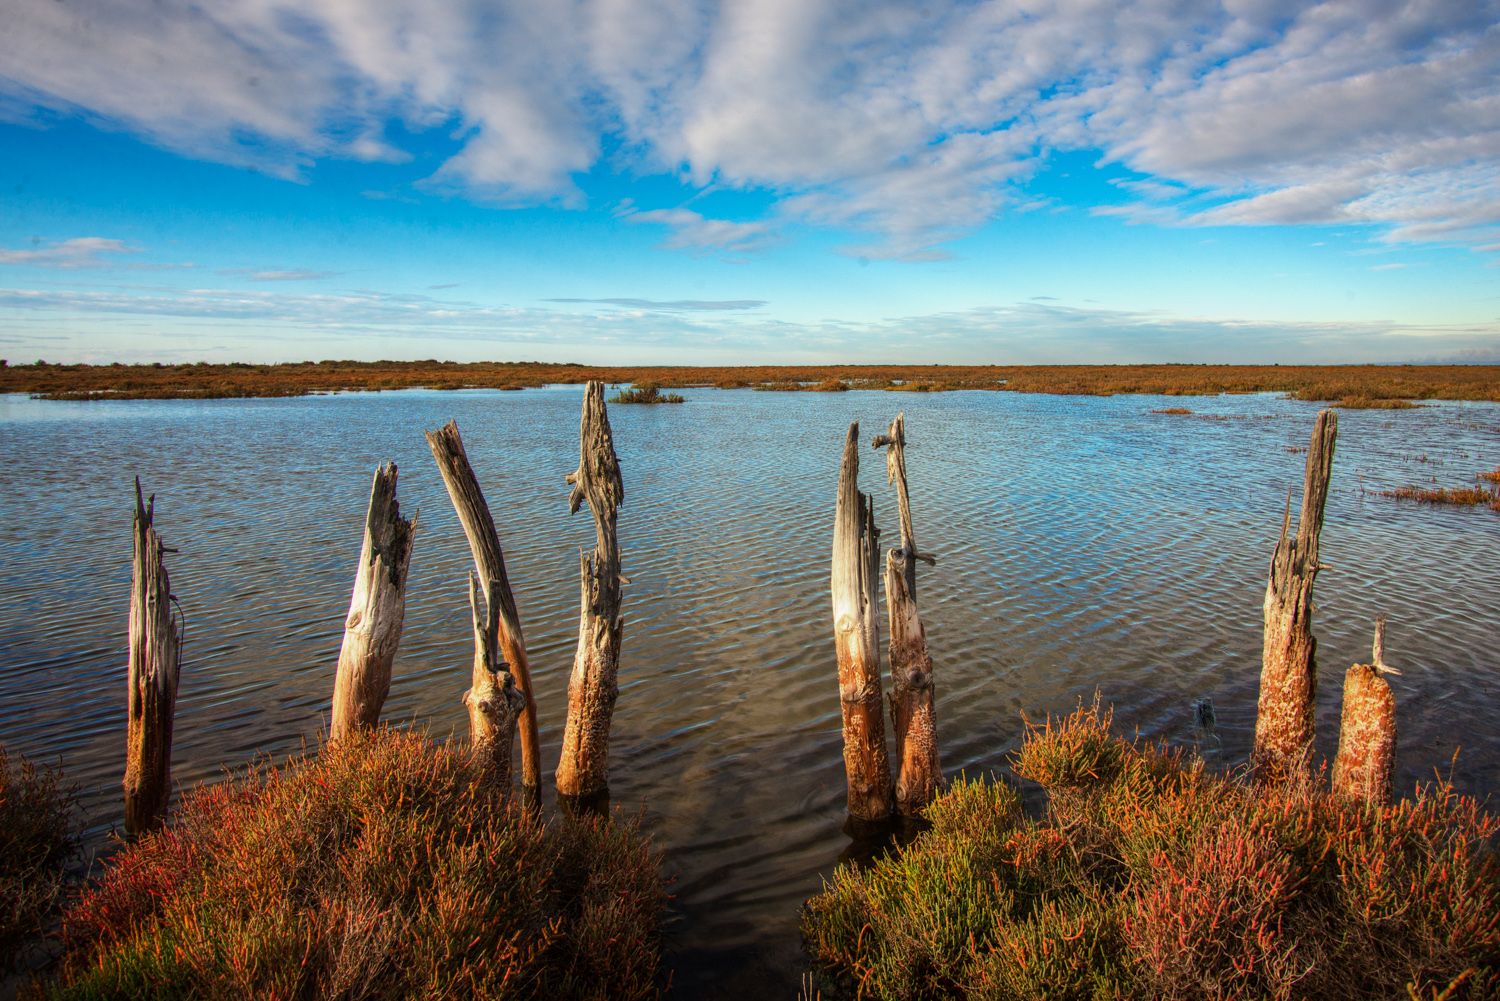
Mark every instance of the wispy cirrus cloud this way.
pixel 908 123
pixel 70 255
pixel 278 325
pixel 691 231
pixel 675 305
pixel 287 275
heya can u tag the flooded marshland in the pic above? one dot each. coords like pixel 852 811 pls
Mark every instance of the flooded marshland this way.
pixel 1083 543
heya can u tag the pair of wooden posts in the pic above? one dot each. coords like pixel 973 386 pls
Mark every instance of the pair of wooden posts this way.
pixel 1285 714
pixel 856 563
pixel 499 699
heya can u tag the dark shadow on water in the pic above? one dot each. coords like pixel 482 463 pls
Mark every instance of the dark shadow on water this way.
pixel 595 804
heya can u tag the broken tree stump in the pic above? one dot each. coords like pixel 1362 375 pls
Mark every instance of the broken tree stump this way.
pixel 494 702
pixel 155 659
pixel 372 630
pixel 1289 671
pixel 584 767
pixel 1365 765
pixel 856 633
pixel 913 716
pixel 505 627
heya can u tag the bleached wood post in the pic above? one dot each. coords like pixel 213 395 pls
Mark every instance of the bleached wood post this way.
pixel 913 715
pixel 593 687
pixel 372 630
pixel 1365 765
pixel 505 626
pixel 1289 671
pixel 155 659
pixel 856 633
pixel 494 702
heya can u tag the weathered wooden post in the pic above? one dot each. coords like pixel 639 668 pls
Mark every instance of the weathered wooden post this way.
pixel 856 633
pixel 593 688
pixel 503 626
pixel 1289 671
pixel 372 630
pixel 155 659
pixel 1365 764
pixel 913 715
pixel 495 703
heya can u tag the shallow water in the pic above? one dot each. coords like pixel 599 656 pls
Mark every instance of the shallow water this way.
pixel 1083 543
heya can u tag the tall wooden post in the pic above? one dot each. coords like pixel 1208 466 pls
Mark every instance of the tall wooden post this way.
pixel 505 626
pixel 913 715
pixel 155 659
pixel 856 633
pixel 372 630
pixel 1365 765
pixel 593 688
pixel 494 702
pixel 1289 671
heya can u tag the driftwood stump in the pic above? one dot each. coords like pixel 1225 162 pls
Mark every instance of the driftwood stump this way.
pixel 373 629
pixel 1289 671
pixel 856 633
pixel 1365 764
pixel 494 702
pixel 593 688
pixel 155 659
pixel 913 716
pixel 503 626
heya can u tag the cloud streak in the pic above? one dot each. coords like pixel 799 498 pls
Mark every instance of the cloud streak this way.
pixel 910 124
pixel 288 324
pixel 71 255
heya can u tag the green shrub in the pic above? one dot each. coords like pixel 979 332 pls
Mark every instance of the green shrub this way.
pixel 646 393
pixel 1152 879
pixel 37 842
pixel 381 868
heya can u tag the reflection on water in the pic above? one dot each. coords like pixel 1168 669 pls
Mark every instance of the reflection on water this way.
pixel 1083 542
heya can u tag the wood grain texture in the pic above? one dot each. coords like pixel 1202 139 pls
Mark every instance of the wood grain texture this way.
pixel 857 641
pixel 913 715
pixel 1289 672
pixel 583 769
pixel 372 630
pixel 152 674
pixel 489 561
pixel 1365 765
pixel 494 701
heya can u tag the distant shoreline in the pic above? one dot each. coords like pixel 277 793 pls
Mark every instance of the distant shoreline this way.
pixel 1348 385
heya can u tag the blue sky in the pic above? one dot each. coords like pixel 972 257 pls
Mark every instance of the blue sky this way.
pixel 682 182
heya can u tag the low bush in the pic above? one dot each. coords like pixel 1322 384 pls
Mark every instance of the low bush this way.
pixel 646 394
pixel 382 867
pixel 1151 879
pixel 38 841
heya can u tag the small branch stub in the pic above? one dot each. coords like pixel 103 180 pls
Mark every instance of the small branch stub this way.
pixel 583 770
pixel 1289 679
pixel 856 632
pixel 372 630
pixel 155 661
pixel 1365 765
pixel 505 625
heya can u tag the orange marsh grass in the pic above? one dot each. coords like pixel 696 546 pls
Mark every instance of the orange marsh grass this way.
pixel 379 868
pixel 1150 878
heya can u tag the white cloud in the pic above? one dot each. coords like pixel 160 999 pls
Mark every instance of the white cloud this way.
pixel 272 326
pixel 912 123
pixel 80 252
pixel 692 232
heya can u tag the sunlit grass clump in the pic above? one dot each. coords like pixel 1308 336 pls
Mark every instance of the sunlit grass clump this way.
pixel 1153 879
pixel 646 394
pixel 380 868
pixel 37 842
